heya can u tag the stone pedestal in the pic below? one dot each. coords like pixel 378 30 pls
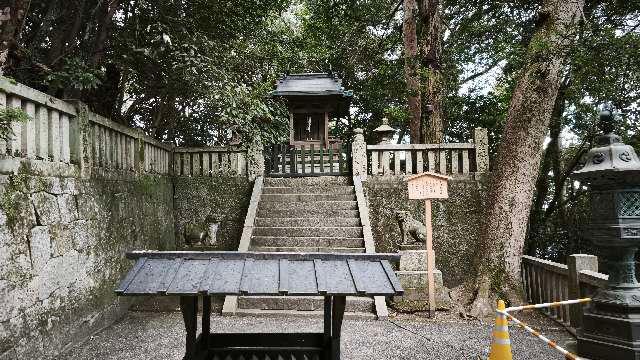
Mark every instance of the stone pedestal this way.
pixel 413 278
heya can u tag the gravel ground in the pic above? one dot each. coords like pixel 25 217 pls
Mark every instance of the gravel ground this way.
pixel 143 335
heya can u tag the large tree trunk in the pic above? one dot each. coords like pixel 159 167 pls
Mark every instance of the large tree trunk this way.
pixel 13 13
pixel 411 68
pixel 514 174
pixel 432 83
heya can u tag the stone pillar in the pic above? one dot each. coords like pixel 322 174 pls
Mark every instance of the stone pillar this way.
pixel 359 155
pixel 81 141
pixel 413 277
pixel 255 159
pixel 481 139
pixel 139 155
pixel 577 263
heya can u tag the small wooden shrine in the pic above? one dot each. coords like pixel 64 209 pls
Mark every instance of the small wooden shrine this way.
pixel 313 100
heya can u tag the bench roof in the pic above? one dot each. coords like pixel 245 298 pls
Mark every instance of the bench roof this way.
pixel 252 273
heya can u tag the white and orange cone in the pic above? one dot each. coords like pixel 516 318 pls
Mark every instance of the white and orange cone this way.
pixel 500 345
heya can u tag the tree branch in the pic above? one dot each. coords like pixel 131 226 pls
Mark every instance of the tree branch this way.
pixel 481 73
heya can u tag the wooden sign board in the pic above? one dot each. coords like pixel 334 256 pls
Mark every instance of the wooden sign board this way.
pixel 428 186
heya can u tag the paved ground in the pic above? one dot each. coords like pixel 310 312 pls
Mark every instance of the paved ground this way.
pixel 143 335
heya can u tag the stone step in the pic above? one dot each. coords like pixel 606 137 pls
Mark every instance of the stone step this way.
pixel 320 205
pixel 347 250
pixel 306 231
pixel 290 242
pixel 275 213
pixel 308 181
pixel 302 303
pixel 336 190
pixel 287 198
pixel 307 222
pixel 305 314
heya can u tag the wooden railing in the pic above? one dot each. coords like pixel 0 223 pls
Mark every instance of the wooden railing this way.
pixel 448 158
pixel 49 132
pixel 210 161
pixel 546 281
pixel 292 161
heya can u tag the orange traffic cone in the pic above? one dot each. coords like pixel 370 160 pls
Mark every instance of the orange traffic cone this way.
pixel 501 345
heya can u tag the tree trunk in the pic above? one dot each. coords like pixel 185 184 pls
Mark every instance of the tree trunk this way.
pixel 104 21
pixel 12 17
pixel 514 175
pixel 411 68
pixel 431 79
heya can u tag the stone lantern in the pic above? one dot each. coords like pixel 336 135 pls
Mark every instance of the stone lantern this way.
pixel 385 132
pixel 611 323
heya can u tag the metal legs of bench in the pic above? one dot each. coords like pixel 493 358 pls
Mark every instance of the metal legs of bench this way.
pixel 334 307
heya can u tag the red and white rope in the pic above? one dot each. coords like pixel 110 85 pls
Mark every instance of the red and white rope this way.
pixel 547 305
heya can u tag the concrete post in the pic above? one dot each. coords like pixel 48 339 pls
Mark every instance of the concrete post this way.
pixel 359 155
pixel 481 139
pixel 81 141
pixel 255 159
pixel 139 155
pixel 577 263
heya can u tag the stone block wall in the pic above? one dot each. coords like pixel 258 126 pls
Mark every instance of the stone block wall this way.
pixel 201 200
pixel 456 221
pixel 62 246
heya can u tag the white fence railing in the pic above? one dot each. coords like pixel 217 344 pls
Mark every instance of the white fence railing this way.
pixel 448 158
pixel 210 161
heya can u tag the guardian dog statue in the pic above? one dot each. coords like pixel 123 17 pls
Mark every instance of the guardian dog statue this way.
pixel 413 231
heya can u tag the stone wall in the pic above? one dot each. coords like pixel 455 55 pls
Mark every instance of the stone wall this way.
pixel 456 221
pixel 62 245
pixel 201 200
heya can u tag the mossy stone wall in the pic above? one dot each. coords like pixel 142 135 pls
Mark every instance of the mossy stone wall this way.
pixel 201 200
pixel 456 222
pixel 62 246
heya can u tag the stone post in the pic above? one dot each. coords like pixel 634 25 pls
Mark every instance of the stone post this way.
pixel 359 155
pixel 481 139
pixel 255 159
pixel 139 155
pixel 80 141
pixel 577 263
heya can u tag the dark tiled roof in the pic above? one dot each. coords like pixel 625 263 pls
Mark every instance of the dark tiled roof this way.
pixel 312 84
pixel 237 273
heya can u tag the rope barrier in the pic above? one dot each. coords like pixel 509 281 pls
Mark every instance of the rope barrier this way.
pixel 547 305
pixel 552 344
pixel 504 313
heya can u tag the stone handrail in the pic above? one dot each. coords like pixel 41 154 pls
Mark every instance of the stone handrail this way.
pixel 48 135
pixel 65 138
pixel 447 158
pixel 210 161
pixel 546 281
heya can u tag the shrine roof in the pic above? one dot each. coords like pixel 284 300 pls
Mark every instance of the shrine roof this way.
pixel 252 273
pixel 310 84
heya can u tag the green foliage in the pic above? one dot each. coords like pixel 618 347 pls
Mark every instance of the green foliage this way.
pixel 75 74
pixel 9 116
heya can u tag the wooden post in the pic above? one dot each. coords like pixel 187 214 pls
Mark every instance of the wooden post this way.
pixel 206 320
pixel 337 314
pixel 577 263
pixel 189 309
pixel 430 258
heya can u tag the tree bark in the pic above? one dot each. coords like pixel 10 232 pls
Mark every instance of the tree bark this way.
pixel 411 68
pixel 515 172
pixel 11 21
pixel 432 83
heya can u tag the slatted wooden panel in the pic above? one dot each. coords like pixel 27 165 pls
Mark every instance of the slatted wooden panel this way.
pixel 312 160
pixel 546 281
pixel 166 273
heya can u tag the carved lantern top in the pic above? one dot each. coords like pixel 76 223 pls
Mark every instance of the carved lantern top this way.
pixel 384 131
pixel 611 164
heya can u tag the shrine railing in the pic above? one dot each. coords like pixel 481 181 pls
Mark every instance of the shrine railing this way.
pixel 546 281
pixel 447 158
pixel 295 161
pixel 210 161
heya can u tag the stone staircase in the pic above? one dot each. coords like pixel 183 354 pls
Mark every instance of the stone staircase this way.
pixel 308 214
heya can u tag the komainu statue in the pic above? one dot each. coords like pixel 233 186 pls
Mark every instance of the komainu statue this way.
pixel 413 231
